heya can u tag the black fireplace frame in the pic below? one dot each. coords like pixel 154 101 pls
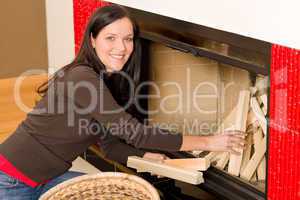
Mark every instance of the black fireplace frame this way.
pixel 187 37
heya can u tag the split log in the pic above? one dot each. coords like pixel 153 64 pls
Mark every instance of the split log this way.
pixel 247 151
pixel 261 84
pixel 253 91
pixel 261 169
pixel 251 119
pixel 235 161
pixel 264 100
pixel 223 160
pixel 254 178
pixel 252 165
pixel 196 153
pixel 200 164
pixel 211 155
pixel 259 114
pixel 146 165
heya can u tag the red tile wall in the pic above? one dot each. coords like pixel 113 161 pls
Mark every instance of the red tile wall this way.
pixel 284 136
pixel 82 11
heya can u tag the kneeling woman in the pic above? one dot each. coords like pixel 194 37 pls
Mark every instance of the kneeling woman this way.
pixel 39 153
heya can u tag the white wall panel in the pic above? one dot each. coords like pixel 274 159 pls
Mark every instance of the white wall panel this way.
pixel 60 33
pixel 275 21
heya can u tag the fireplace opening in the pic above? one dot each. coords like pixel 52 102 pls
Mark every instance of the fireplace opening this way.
pixel 195 95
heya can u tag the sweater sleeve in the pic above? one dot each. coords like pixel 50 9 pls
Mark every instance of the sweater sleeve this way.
pixel 117 150
pixel 91 95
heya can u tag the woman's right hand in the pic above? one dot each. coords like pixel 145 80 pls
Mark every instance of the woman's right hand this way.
pixel 229 141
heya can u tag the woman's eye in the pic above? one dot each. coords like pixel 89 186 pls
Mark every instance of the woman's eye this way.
pixel 110 38
pixel 129 39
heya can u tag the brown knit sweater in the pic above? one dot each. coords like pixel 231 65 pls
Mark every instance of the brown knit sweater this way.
pixel 62 126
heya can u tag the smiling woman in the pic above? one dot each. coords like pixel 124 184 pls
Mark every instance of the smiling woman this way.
pixel 38 154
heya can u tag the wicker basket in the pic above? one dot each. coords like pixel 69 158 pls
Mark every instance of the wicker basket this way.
pixel 103 186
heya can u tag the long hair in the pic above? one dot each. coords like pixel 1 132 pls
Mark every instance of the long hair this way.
pixel 87 55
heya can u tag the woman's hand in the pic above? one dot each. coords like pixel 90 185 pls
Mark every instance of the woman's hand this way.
pixel 229 141
pixel 155 156
pixel 158 157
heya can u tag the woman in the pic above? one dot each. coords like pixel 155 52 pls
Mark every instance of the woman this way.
pixel 76 101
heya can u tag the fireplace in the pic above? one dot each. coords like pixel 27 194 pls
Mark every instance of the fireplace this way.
pixel 230 51
pixel 193 56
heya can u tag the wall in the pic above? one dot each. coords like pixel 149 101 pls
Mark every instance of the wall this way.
pixel 274 21
pixel 23 42
pixel 60 33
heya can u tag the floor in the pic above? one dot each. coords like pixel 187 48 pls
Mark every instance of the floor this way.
pixel 81 165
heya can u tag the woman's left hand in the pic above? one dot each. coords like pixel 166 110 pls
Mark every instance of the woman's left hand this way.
pixel 158 157
pixel 155 156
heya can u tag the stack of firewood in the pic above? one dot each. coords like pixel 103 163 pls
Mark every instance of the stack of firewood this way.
pixel 249 116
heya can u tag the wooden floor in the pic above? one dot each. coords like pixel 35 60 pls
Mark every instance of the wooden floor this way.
pixel 17 97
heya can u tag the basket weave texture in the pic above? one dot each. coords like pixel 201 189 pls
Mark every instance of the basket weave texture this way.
pixel 103 186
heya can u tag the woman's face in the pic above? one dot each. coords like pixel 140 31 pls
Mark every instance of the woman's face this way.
pixel 114 44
